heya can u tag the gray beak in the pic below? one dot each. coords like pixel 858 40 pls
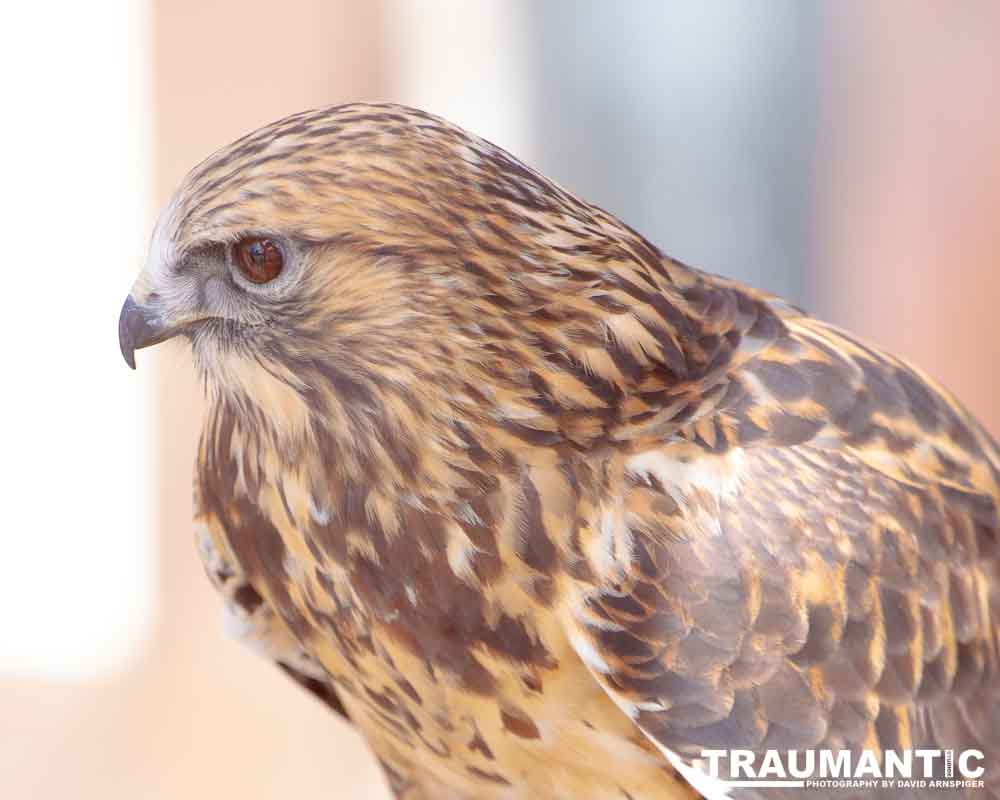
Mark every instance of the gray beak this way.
pixel 140 326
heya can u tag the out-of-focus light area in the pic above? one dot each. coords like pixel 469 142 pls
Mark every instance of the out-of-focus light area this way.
pixel 77 574
pixel 441 63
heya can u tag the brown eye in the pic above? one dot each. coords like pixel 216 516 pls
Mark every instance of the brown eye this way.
pixel 260 260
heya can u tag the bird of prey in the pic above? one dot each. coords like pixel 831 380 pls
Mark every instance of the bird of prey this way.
pixel 543 511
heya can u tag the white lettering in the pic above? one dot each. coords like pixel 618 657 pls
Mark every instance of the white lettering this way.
pixel 793 764
pixel 963 763
pixel 772 766
pixel 741 760
pixel 867 765
pixel 713 757
pixel 928 756
pixel 831 766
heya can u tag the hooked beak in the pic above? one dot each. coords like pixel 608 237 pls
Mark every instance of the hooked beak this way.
pixel 140 326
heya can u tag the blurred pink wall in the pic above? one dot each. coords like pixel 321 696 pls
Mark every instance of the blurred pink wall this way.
pixel 909 168
pixel 222 716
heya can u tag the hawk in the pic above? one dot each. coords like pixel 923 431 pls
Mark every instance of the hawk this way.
pixel 544 512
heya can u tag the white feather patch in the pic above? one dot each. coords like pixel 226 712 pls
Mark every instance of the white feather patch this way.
pixel 588 653
pixel 718 475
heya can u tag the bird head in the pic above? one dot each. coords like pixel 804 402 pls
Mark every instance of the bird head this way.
pixel 367 268
pixel 322 230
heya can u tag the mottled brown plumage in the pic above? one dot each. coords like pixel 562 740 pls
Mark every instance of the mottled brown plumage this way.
pixel 542 506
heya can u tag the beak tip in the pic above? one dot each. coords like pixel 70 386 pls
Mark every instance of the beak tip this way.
pixel 126 337
pixel 141 326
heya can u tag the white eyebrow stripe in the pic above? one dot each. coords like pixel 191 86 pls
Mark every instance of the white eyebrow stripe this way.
pixel 162 250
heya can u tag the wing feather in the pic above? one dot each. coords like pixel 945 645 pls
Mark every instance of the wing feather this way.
pixel 813 564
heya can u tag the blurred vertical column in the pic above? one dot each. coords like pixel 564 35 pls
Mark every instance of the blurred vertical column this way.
pixel 219 721
pixel 693 122
pixel 470 63
pixel 909 186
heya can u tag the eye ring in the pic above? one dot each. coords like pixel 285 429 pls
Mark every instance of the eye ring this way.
pixel 258 258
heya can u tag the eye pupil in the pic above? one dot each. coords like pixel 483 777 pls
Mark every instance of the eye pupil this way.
pixel 259 259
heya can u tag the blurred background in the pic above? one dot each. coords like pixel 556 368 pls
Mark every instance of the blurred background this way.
pixel 843 154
